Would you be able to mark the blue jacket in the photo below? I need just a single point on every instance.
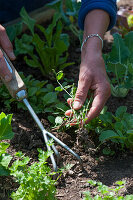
(107, 5)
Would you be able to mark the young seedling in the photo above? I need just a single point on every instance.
(77, 117)
(105, 192)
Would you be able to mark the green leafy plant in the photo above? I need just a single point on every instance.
(47, 52)
(41, 95)
(68, 10)
(5, 133)
(119, 63)
(14, 30)
(117, 128)
(35, 180)
(105, 192)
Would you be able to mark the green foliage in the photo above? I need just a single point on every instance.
(119, 62)
(35, 180)
(5, 133)
(5, 127)
(41, 95)
(46, 52)
(14, 30)
(117, 128)
(68, 10)
(105, 192)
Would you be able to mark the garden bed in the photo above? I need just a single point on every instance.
(97, 166)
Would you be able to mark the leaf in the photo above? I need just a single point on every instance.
(120, 52)
(59, 89)
(66, 65)
(106, 117)
(23, 45)
(128, 197)
(32, 91)
(65, 39)
(50, 98)
(118, 126)
(3, 147)
(121, 111)
(51, 119)
(14, 31)
(59, 75)
(57, 34)
(5, 160)
(118, 91)
(108, 134)
(117, 68)
(60, 46)
(4, 171)
(50, 87)
(120, 182)
(33, 62)
(62, 107)
(27, 20)
(5, 127)
(128, 39)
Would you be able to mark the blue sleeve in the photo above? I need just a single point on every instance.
(88, 5)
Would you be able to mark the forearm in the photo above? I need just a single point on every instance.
(96, 22)
(88, 5)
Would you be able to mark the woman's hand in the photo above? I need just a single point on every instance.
(92, 77)
(6, 45)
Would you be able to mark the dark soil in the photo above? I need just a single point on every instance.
(107, 169)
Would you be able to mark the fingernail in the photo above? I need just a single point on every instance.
(7, 78)
(77, 105)
(11, 54)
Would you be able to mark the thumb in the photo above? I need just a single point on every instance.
(81, 93)
(6, 44)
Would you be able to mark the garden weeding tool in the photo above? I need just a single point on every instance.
(17, 89)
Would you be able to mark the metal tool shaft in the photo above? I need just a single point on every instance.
(37, 120)
(49, 134)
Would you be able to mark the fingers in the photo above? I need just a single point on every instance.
(101, 93)
(69, 112)
(5, 43)
(98, 102)
(82, 90)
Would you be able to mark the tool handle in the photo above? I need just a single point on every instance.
(16, 84)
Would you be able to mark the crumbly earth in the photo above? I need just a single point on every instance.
(96, 166)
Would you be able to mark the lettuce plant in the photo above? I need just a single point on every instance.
(45, 52)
